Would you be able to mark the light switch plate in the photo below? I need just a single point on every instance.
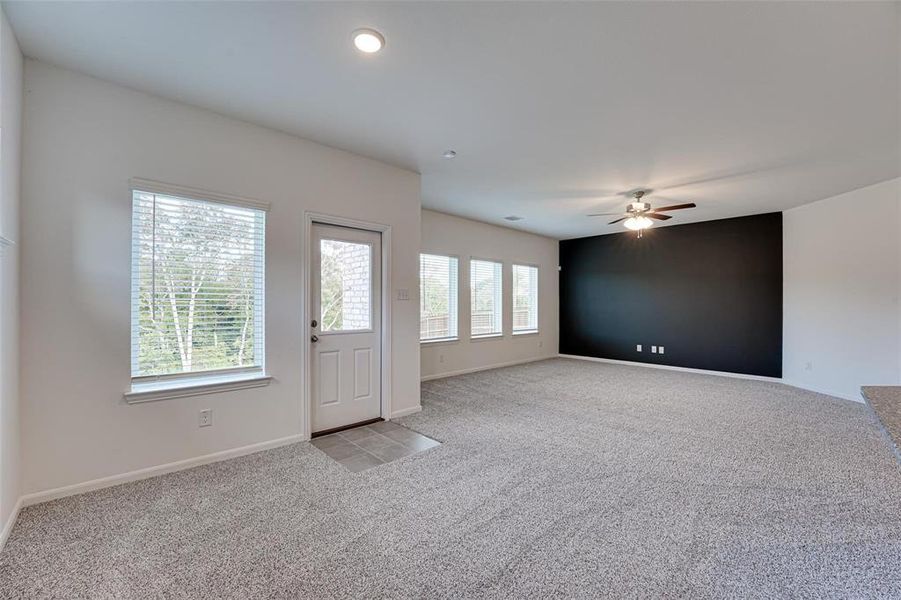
(403, 294)
(638, 347)
(659, 349)
(653, 349)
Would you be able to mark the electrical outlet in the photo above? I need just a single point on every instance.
(638, 348)
(653, 349)
(808, 367)
(659, 349)
(441, 358)
(540, 343)
(206, 417)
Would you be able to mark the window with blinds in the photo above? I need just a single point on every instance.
(525, 299)
(486, 289)
(437, 297)
(197, 288)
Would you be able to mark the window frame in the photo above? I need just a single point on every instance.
(500, 300)
(145, 388)
(449, 339)
(537, 327)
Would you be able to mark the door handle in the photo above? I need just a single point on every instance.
(314, 338)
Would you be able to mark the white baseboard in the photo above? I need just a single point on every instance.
(8, 526)
(406, 411)
(672, 368)
(485, 368)
(103, 482)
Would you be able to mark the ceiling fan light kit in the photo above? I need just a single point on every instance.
(637, 223)
(640, 216)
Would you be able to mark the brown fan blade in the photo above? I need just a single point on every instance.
(617, 221)
(658, 217)
(603, 214)
(676, 207)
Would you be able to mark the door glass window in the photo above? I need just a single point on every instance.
(346, 286)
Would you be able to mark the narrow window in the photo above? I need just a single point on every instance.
(525, 299)
(486, 288)
(197, 288)
(437, 297)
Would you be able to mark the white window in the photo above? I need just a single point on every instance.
(196, 290)
(486, 287)
(525, 299)
(437, 297)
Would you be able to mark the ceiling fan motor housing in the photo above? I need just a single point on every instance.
(638, 207)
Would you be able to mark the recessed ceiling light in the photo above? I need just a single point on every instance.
(449, 154)
(368, 40)
(513, 218)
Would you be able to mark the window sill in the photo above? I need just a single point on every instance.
(150, 392)
(487, 336)
(526, 332)
(449, 340)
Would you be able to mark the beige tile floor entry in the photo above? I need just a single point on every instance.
(365, 447)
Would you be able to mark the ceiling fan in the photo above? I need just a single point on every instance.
(639, 214)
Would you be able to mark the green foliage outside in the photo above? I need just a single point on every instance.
(196, 286)
(331, 287)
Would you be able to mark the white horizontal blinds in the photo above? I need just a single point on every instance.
(197, 286)
(525, 298)
(486, 288)
(437, 297)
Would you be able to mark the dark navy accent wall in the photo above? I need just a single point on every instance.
(710, 293)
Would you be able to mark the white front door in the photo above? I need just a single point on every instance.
(346, 326)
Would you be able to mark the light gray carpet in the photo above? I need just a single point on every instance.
(560, 478)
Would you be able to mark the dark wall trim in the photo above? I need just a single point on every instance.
(710, 293)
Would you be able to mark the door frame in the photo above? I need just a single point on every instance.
(306, 356)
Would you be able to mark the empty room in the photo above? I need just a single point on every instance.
(450, 299)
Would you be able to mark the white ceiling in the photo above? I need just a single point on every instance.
(553, 108)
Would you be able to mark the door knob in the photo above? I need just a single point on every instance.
(314, 338)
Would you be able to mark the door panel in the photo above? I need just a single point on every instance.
(362, 373)
(346, 338)
(329, 377)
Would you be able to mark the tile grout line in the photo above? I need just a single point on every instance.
(391, 444)
(381, 461)
(365, 451)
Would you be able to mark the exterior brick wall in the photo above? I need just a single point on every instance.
(355, 259)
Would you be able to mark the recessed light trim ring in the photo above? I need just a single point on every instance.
(368, 40)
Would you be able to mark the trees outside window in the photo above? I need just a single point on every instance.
(197, 286)
(437, 297)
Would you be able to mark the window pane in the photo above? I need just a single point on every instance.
(525, 298)
(197, 286)
(486, 289)
(345, 286)
(438, 297)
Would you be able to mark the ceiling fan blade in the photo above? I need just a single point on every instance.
(676, 207)
(658, 217)
(603, 214)
(617, 221)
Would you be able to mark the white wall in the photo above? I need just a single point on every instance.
(10, 151)
(83, 140)
(842, 279)
(445, 234)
